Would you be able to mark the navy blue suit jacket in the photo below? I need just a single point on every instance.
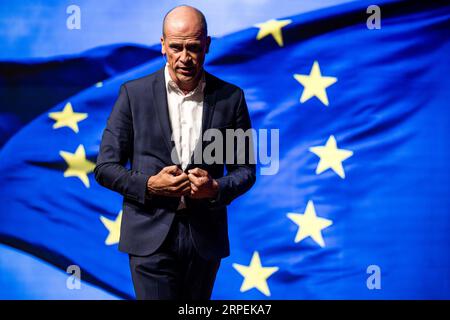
(138, 130)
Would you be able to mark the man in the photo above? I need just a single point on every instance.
(174, 224)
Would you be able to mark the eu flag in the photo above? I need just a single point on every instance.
(360, 205)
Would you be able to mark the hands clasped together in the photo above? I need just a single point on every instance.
(171, 181)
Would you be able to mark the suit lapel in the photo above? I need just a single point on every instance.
(162, 110)
(209, 103)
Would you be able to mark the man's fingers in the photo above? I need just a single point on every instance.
(180, 178)
(186, 191)
(197, 181)
(198, 172)
(192, 178)
(194, 188)
(172, 169)
(182, 185)
(169, 169)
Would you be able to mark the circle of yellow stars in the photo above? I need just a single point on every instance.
(78, 165)
(310, 225)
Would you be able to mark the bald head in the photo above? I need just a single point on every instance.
(182, 17)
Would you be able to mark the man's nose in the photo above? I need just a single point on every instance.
(185, 57)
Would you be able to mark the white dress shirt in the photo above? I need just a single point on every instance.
(185, 112)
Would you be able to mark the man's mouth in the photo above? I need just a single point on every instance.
(186, 70)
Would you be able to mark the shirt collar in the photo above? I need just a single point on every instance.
(171, 85)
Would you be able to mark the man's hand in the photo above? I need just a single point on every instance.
(202, 185)
(170, 181)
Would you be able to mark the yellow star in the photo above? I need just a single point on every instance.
(331, 157)
(255, 275)
(79, 166)
(310, 225)
(67, 118)
(272, 27)
(113, 227)
(314, 84)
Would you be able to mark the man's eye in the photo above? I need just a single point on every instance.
(195, 48)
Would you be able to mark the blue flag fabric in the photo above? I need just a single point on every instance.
(360, 205)
(48, 81)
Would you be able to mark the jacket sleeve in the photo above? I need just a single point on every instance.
(241, 175)
(115, 149)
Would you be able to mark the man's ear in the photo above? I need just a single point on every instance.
(163, 49)
(208, 42)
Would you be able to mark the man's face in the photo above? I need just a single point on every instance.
(185, 46)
